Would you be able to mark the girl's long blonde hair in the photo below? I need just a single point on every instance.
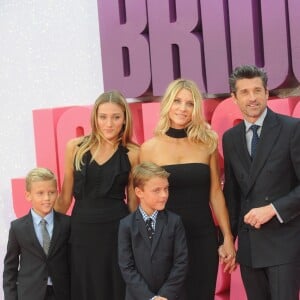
(96, 137)
(198, 130)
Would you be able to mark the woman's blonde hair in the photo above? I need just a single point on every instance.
(96, 136)
(198, 130)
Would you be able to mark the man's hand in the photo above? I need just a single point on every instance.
(259, 216)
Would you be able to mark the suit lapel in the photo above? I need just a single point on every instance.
(159, 226)
(55, 233)
(240, 145)
(142, 228)
(29, 230)
(269, 134)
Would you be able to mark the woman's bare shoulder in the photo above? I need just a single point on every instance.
(150, 144)
(133, 153)
(133, 146)
(149, 149)
(73, 143)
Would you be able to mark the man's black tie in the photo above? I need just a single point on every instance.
(149, 228)
(254, 140)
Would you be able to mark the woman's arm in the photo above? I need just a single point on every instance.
(217, 202)
(64, 199)
(132, 202)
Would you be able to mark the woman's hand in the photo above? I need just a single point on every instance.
(227, 255)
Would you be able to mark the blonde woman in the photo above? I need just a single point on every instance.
(186, 146)
(97, 171)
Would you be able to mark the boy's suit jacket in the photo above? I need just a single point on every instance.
(30, 281)
(272, 177)
(153, 269)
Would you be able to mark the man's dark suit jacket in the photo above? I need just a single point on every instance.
(153, 269)
(272, 177)
(26, 266)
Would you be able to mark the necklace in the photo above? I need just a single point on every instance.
(176, 133)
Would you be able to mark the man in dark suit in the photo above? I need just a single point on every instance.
(36, 263)
(153, 257)
(262, 190)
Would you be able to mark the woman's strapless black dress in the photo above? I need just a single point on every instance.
(189, 194)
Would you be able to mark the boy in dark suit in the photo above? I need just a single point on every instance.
(36, 263)
(153, 254)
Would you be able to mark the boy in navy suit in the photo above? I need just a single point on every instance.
(153, 254)
(36, 263)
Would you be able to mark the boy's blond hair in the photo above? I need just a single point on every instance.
(146, 171)
(39, 174)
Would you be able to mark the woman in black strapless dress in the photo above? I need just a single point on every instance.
(187, 148)
(97, 169)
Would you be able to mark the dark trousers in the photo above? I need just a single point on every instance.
(49, 293)
(272, 283)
